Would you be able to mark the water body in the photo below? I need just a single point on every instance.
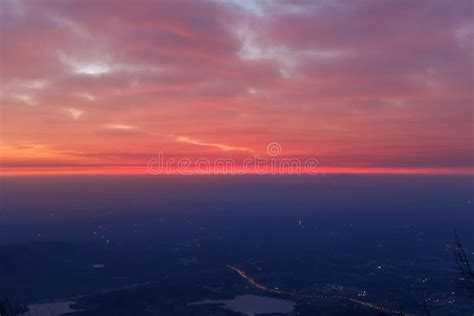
(48, 309)
(253, 304)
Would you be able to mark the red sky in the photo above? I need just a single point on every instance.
(363, 86)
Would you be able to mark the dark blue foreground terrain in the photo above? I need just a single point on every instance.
(133, 245)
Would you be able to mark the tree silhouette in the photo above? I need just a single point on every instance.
(462, 262)
(6, 308)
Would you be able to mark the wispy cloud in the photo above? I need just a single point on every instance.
(188, 140)
(74, 113)
(30, 152)
(120, 127)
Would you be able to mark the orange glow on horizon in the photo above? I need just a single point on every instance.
(321, 171)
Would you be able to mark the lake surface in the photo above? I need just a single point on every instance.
(48, 309)
(253, 304)
(163, 242)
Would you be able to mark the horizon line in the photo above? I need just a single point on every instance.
(127, 170)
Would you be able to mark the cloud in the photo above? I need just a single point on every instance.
(30, 152)
(85, 68)
(75, 114)
(187, 140)
(334, 79)
(86, 96)
(120, 127)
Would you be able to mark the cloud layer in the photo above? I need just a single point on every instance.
(382, 84)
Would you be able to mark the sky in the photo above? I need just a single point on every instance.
(363, 86)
